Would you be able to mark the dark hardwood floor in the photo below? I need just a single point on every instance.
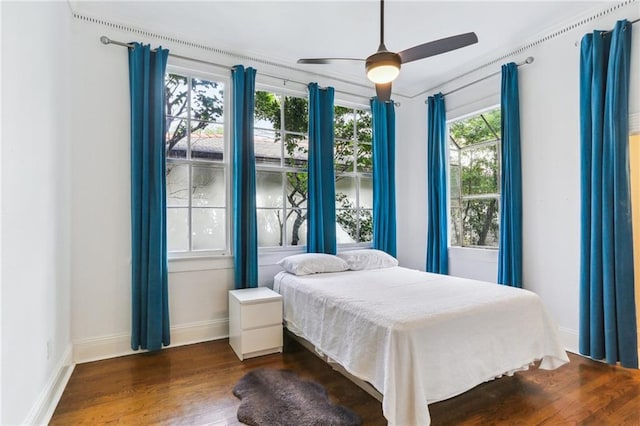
(191, 385)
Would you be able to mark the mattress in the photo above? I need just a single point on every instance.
(418, 337)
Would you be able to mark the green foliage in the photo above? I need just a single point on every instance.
(347, 218)
(268, 108)
(345, 125)
(476, 129)
(480, 171)
(296, 114)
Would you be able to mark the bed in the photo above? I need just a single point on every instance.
(417, 337)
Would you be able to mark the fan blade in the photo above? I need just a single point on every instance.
(437, 47)
(383, 91)
(325, 60)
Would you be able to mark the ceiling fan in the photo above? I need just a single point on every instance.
(384, 66)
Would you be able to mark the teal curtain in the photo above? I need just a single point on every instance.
(321, 202)
(607, 303)
(149, 269)
(437, 228)
(510, 243)
(384, 175)
(245, 228)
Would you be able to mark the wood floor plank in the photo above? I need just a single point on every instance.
(191, 385)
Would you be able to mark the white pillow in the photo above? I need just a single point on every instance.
(368, 259)
(313, 263)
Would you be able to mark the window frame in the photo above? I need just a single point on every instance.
(461, 198)
(226, 165)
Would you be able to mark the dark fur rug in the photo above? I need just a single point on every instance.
(279, 397)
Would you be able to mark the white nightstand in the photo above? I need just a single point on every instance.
(255, 322)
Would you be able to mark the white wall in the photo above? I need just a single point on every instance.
(35, 218)
(411, 188)
(549, 109)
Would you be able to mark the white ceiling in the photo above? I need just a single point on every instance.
(283, 31)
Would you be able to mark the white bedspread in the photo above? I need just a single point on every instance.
(417, 337)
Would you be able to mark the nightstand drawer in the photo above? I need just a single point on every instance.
(261, 314)
(261, 339)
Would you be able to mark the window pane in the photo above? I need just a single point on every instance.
(345, 192)
(454, 182)
(269, 189)
(343, 156)
(206, 100)
(456, 227)
(296, 114)
(267, 111)
(454, 155)
(269, 227)
(479, 170)
(267, 147)
(366, 226)
(176, 92)
(297, 227)
(177, 229)
(480, 222)
(363, 126)
(365, 158)
(296, 190)
(208, 229)
(343, 122)
(346, 226)
(207, 141)
(177, 185)
(176, 141)
(208, 186)
(296, 148)
(366, 192)
(480, 128)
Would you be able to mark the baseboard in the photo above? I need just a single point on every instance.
(115, 345)
(569, 339)
(47, 401)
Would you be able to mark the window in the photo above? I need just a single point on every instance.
(474, 162)
(281, 149)
(354, 182)
(197, 171)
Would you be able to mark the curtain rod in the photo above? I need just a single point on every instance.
(630, 22)
(107, 40)
(527, 61)
(635, 21)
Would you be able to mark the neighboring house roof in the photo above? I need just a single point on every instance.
(267, 149)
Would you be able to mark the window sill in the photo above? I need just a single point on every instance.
(477, 254)
(266, 256)
(200, 263)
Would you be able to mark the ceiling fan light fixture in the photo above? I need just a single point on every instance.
(383, 67)
(383, 73)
